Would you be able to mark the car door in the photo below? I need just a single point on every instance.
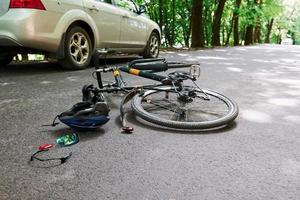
(108, 20)
(133, 27)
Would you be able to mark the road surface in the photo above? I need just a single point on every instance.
(258, 157)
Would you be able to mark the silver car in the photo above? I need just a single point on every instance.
(71, 30)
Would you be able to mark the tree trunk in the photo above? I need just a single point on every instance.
(161, 18)
(173, 22)
(206, 30)
(249, 35)
(188, 34)
(236, 23)
(229, 32)
(258, 24)
(217, 23)
(197, 24)
(269, 29)
(167, 31)
(257, 34)
(223, 35)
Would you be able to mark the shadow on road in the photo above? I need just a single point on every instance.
(54, 67)
(83, 136)
(31, 68)
(137, 123)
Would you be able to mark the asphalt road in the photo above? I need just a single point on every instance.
(258, 157)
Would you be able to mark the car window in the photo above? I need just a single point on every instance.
(105, 1)
(126, 4)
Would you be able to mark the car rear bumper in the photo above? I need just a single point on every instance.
(29, 29)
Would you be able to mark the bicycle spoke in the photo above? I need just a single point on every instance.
(161, 106)
(184, 110)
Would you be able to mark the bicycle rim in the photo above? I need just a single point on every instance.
(165, 109)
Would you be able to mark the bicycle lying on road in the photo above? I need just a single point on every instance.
(175, 101)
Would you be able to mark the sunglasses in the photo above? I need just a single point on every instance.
(44, 148)
(63, 141)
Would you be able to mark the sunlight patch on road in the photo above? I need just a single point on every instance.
(292, 92)
(266, 61)
(73, 78)
(267, 94)
(169, 52)
(227, 64)
(241, 49)
(288, 60)
(190, 59)
(234, 69)
(292, 118)
(220, 50)
(286, 81)
(46, 82)
(295, 86)
(256, 116)
(183, 54)
(6, 102)
(216, 58)
(293, 69)
(284, 102)
(7, 83)
(291, 167)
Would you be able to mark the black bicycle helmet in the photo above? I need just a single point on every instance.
(86, 116)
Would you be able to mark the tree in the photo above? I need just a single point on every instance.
(269, 29)
(197, 23)
(201, 23)
(217, 23)
(236, 23)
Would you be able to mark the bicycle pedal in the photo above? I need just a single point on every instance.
(127, 130)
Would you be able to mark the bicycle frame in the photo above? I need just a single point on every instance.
(120, 85)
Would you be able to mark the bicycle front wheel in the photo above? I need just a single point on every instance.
(205, 110)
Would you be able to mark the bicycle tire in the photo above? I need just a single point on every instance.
(139, 110)
(174, 65)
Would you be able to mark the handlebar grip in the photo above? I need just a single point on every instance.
(108, 69)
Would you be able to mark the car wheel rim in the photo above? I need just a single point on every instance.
(154, 46)
(79, 48)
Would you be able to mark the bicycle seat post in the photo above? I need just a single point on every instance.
(96, 58)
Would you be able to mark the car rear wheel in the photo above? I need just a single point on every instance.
(78, 49)
(5, 59)
(152, 48)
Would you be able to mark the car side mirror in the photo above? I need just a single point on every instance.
(142, 9)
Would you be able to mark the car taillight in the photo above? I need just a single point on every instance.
(31, 4)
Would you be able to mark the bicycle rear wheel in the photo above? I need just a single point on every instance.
(164, 108)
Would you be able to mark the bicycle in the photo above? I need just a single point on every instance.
(169, 103)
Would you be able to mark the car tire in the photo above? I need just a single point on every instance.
(152, 48)
(78, 49)
(5, 59)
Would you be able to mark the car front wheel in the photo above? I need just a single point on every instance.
(78, 49)
(152, 48)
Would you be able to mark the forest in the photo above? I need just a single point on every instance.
(209, 23)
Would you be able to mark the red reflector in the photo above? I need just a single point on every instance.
(31, 4)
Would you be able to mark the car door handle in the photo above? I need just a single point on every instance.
(94, 8)
(125, 16)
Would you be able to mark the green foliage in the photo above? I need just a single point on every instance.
(174, 16)
(295, 30)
